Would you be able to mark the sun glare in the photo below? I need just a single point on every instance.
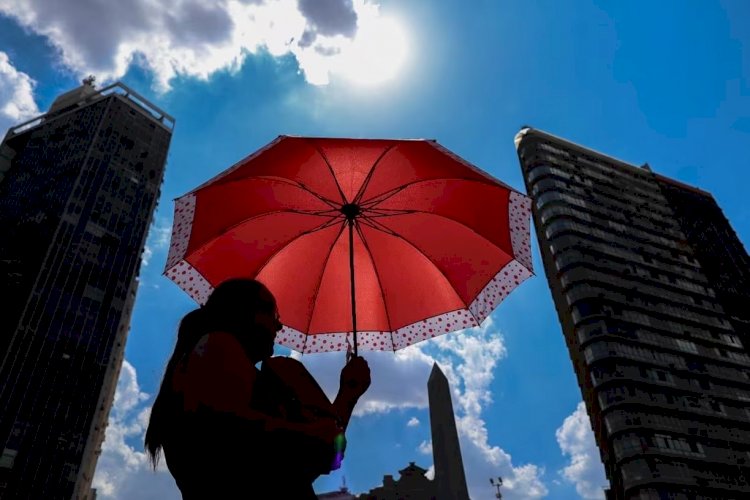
(377, 53)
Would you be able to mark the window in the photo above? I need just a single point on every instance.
(7, 458)
(716, 406)
(687, 346)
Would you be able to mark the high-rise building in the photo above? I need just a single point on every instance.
(652, 288)
(78, 189)
(450, 479)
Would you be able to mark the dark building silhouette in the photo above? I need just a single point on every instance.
(450, 479)
(78, 188)
(652, 288)
(342, 493)
(412, 484)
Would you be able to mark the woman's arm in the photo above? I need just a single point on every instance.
(354, 381)
(219, 376)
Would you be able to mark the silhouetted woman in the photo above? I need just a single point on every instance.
(229, 430)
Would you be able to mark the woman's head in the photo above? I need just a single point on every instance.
(242, 307)
(246, 308)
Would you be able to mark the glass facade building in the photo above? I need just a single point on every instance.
(652, 289)
(78, 189)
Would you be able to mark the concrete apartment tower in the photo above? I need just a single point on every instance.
(652, 288)
(446, 451)
(78, 189)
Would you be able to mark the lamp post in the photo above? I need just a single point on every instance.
(497, 483)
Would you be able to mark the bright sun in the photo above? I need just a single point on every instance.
(377, 53)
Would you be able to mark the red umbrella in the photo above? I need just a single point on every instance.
(410, 238)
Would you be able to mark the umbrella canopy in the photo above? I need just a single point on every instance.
(435, 243)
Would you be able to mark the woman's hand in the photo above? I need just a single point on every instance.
(355, 377)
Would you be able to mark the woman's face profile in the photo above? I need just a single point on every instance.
(266, 323)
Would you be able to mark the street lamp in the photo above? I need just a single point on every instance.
(497, 483)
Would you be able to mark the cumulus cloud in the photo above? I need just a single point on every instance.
(471, 370)
(398, 379)
(123, 471)
(468, 359)
(157, 240)
(16, 95)
(425, 447)
(576, 440)
(413, 422)
(173, 38)
(330, 17)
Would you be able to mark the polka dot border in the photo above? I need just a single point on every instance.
(190, 280)
(433, 327)
(184, 213)
(519, 216)
(329, 342)
(504, 282)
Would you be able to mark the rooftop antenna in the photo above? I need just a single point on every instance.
(343, 484)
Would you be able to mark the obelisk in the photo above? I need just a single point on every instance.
(446, 451)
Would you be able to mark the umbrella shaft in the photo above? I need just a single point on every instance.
(351, 273)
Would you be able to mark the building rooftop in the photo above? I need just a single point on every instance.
(527, 131)
(87, 94)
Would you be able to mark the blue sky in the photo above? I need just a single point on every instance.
(665, 82)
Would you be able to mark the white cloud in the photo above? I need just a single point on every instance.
(147, 254)
(398, 379)
(122, 471)
(576, 439)
(175, 38)
(430, 474)
(16, 95)
(425, 447)
(413, 422)
(158, 239)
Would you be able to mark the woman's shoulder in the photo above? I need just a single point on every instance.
(218, 342)
(220, 350)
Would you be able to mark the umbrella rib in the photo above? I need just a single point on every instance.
(264, 214)
(330, 168)
(366, 182)
(322, 198)
(320, 281)
(285, 180)
(387, 212)
(396, 235)
(468, 228)
(380, 283)
(388, 194)
(325, 225)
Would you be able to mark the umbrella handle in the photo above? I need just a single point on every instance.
(351, 275)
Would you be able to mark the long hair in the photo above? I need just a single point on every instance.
(224, 309)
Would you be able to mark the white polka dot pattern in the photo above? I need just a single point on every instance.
(291, 338)
(184, 212)
(326, 342)
(190, 280)
(373, 341)
(498, 288)
(432, 327)
(519, 214)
